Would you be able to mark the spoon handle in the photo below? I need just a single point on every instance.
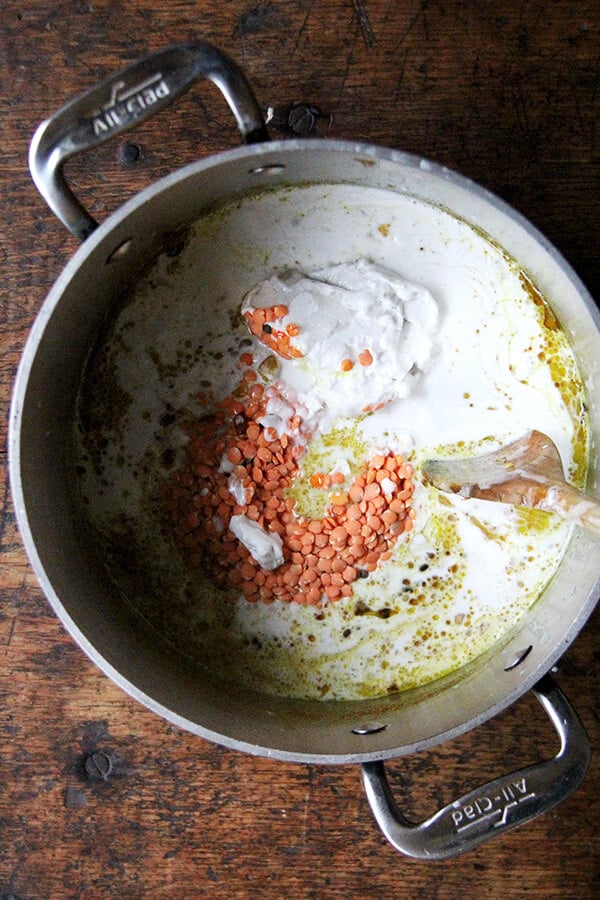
(573, 504)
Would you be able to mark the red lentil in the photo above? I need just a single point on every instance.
(322, 557)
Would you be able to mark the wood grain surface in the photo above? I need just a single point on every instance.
(99, 797)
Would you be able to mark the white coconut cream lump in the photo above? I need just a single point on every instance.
(342, 312)
(463, 358)
(363, 337)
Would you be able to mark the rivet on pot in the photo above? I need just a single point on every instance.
(368, 728)
(269, 169)
(120, 250)
(518, 658)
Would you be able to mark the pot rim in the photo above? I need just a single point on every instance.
(266, 154)
(367, 153)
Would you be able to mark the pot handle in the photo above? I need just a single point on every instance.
(122, 101)
(494, 807)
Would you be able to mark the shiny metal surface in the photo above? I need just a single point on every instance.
(67, 565)
(120, 103)
(494, 807)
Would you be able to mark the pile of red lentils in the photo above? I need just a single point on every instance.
(322, 556)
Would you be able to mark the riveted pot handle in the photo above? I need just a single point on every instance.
(494, 807)
(121, 102)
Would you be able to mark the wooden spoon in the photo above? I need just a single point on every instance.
(527, 472)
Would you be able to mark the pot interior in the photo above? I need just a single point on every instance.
(93, 598)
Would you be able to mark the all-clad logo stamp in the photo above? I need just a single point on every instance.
(498, 807)
(127, 104)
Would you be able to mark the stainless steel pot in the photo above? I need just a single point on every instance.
(67, 564)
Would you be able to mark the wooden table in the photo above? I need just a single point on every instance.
(508, 94)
